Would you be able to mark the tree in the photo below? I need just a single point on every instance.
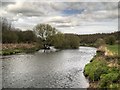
(110, 40)
(6, 24)
(29, 36)
(62, 41)
(72, 41)
(58, 40)
(99, 42)
(44, 31)
(8, 35)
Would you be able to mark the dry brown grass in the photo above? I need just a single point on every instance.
(17, 46)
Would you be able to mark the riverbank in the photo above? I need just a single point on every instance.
(15, 48)
(104, 69)
(9, 49)
(87, 45)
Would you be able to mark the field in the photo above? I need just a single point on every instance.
(113, 48)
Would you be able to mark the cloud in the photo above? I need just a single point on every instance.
(26, 8)
(65, 16)
(7, 3)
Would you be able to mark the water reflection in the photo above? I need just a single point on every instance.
(63, 69)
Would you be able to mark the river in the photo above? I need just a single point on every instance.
(62, 69)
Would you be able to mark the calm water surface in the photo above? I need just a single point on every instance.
(62, 69)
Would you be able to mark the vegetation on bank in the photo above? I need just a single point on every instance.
(104, 69)
(90, 39)
(15, 51)
(62, 41)
(42, 35)
(113, 48)
(9, 49)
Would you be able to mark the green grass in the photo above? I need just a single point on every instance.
(10, 52)
(113, 48)
(15, 51)
(98, 70)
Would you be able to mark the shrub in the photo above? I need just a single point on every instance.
(107, 79)
(110, 40)
(62, 41)
(72, 41)
(116, 86)
(99, 42)
(95, 69)
(9, 36)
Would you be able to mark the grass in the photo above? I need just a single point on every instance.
(113, 48)
(10, 52)
(104, 70)
(20, 50)
(9, 49)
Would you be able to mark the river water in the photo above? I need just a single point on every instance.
(62, 69)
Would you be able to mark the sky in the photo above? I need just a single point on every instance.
(67, 17)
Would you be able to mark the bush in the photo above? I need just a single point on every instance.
(116, 86)
(99, 42)
(58, 40)
(107, 79)
(110, 79)
(9, 37)
(72, 41)
(62, 41)
(110, 40)
(95, 69)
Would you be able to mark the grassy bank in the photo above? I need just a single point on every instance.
(113, 48)
(9, 49)
(104, 69)
(20, 50)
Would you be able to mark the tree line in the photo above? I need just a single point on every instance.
(43, 34)
(46, 35)
(13, 35)
(108, 38)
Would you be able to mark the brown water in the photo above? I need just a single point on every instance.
(62, 69)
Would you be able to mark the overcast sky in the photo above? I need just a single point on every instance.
(67, 17)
